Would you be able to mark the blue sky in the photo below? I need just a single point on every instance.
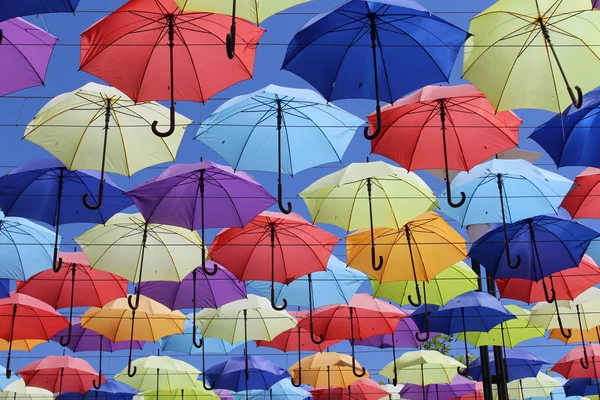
(63, 75)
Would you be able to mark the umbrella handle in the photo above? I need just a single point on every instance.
(171, 124)
(319, 338)
(376, 266)
(419, 299)
(212, 272)
(99, 384)
(57, 264)
(10, 341)
(197, 344)
(230, 39)
(101, 184)
(377, 128)
(282, 208)
(171, 33)
(100, 194)
(131, 372)
(132, 305)
(577, 101)
(279, 185)
(567, 333)
(584, 364)
(285, 303)
(425, 338)
(65, 343)
(552, 297)
(358, 374)
(373, 33)
(463, 197)
(206, 385)
(299, 378)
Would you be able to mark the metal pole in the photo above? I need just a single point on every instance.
(501, 377)
(484, 355)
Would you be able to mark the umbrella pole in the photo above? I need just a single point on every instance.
(412, 263)
(395, 380)
(418, 336)
(60, 385)
(213, 272)
(567, 333)
(596, 373)
(171, 33)
(279, 184)
(577, 101)
(99, 384)
(464, 372)
(196, 344)
(328, 382)
(56, 261)
(521, 389)
(374, 37)
(10, 341)
(131, 372)
(137, 290)
(374, 265)
(285, 303)
(65, 343)
(101, 184)
(584, 364)
(299, 359)
(230, 39)
(549, 298)
(246, 369)
(463, 196)
(319, 338)
(506, 244)
(364, 371)
(206, 386)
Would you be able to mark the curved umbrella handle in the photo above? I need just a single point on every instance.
(463, 196)
(299, 378)
(550, 298)
(362, 373)
(464, 372)
(585, 362)
(58, 261)
(171, 129)
(506, 244)
(373, 34)
(376, 266)
(419, 299)
(230, 39)
(209, 272)
(418, 335)
(131, 372)
(99, 384)
(285, 303)
(282, 208)
(319, 338)
(197, 344)
(132, 305)
(100, 194)
(171, 33)
(358, 374)
(107, 113)
(278, 308)
(508, 259)
(65, 343)
(10, 341)
(205, 384)
(377, 131)
(567, 333)
(576, 100)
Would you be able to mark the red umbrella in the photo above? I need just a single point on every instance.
(567, 284)
(572, 364)
(60, 374)
(583, 201)
(292, 246)
(364, 389)
(149, 50)
(361, 318)
(75, 285)
(24, 317)
(450, 127)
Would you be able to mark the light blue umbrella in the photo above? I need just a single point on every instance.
(282, 390)
(278, 129)
(26, 248)
(337, 284)
(4, 381)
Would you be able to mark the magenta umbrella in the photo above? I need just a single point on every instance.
(25, 52)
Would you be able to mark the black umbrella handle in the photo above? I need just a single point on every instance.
(585, 362)
(374, 264)
(359, 373)
(395, 380)
(132, 305)
(374, 38)
(99, 384)
(282, 208)
(506, 244)
(464, 372)
(10, 341)
(204, 383)
(63, 342)
(420, 336)
(103, 168)
(155, 130)
(56, 261)
(463, 196)
(197, 344)
(131, 372)
(319, 338)
(414, 269)
(567, 333)
(299, 355)
(230, 39)
(285, 303)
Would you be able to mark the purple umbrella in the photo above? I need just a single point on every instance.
(25, 52)
(217, 289)
(83, 339)
(224, 394)
(460, 386)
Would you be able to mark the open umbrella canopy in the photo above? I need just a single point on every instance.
(261, 374)
(282, 390)
(326, 369)
(520, 364)
(364, 389)
(110, 390)
(581, 202)
(581, 312)
(460, 386)
(250, 10)
(60, 374)
(196, 392)
(181, 343)
(33, 7)
(571, 365)
(582, 387)
(18, 390)
(423, 367)
(165, 372)
(540, 385)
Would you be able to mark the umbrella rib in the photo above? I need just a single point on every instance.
(41, 81)
(217, 182)
(385, 195)
(187, 49)
(430, 117)
(122, 137)
(462, 151)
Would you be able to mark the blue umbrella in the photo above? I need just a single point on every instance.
(245, 373)
(22, 8)
(4, 381)
(282, 390)
(4, 288)
(45, 190)
(110, 390)
(298, 125)
(469, 312)
(582, 387)
(570, 138)
(409, 48)
(520, 365)
(25, 248)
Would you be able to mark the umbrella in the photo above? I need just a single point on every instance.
(520, 364)
(411, 134)
(117, 322)
(568, 283)
(451, 282)
(25, 248)
(298, 125)
(580, 202)
(283, 390)
(124, 240)
(25, 317)
(110, 390)
(77, 286)
(329, 369)
(423, 367)
(469, 312)
(245, 373)
(4, 381)
(577, 336)
(389, 32)
(25, 51)
(224, 394)
(218, 287)
(128, 49)
(160, 373)
(460, 386)
(507, 334)
(361, 318)
(60, 374)
(572, 365)
(427, 243)
(364, 195)
(45, 190)
(85, 117)
(34, 7)
(196, 392)
(364, 389)
(537, 35)
(293, 245)
(18, 390)
(582, 387)
(19, 345)
(260, 322)
(541, 385)
(337, 284)
(250, 10)
(82, 339)
(5, 286)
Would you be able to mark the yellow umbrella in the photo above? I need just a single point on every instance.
(367, 195)
(577, 336)
(507, 334)
(98, 127)
(160, 373)
(523, 54)
(118, 322)
(17, 390)
(329, 369)
(21, 345)
(195, 393)
(423, 367)
(418, 251)
(540, 386)
(448, 284)
(126, 243)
